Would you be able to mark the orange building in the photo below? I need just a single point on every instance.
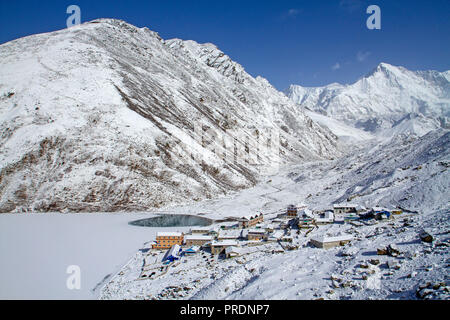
(165, 240)
(291, 211)
(250, 221)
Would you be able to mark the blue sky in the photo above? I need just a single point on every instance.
(311, 43)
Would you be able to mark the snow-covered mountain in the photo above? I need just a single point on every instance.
(388, 100)
(106, 116)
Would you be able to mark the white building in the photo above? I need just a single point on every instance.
(306, 213)
(330, 242)
(232, 252)
(232, 234)
(328, 217)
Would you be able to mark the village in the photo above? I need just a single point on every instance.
(237, 237)
(225, 256)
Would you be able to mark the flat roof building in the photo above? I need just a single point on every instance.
(345, 208)
(233, 234)
(201, 230)
(165, 240)
(218, 246)
(197, 239)
(256, 234)
(330, 242)
(232, 252)
(328, 217)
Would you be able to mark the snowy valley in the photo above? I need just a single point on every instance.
(410, 173)
(95, 135)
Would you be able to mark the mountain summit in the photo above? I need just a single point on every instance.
(106, 116)
(389, 98)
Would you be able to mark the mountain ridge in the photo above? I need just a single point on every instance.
(106, 117)
(378, 100)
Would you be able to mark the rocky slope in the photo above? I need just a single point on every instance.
(387, 101)
(106, 116)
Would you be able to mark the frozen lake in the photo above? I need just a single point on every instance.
(36, 249)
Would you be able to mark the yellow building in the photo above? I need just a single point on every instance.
(165, 240)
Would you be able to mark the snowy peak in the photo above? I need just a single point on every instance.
(388, 69)
(382, 99)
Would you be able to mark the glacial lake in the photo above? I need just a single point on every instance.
(172, 220)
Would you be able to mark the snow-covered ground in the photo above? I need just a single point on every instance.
(307, 273)
(408, 171)
(36, 249)
(352, 272)
(345, 132)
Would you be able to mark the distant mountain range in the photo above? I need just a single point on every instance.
(387, 101)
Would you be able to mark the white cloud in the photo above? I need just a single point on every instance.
(293, 12)
(336, 66)
(362, 56)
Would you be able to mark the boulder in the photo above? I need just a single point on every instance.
(374, 262)
(347, 284)
(364, 265)
(392, 250)
(334, 277)
(437, 290)
(425, 236)
(442, 244)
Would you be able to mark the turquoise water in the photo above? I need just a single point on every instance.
(172, 220)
